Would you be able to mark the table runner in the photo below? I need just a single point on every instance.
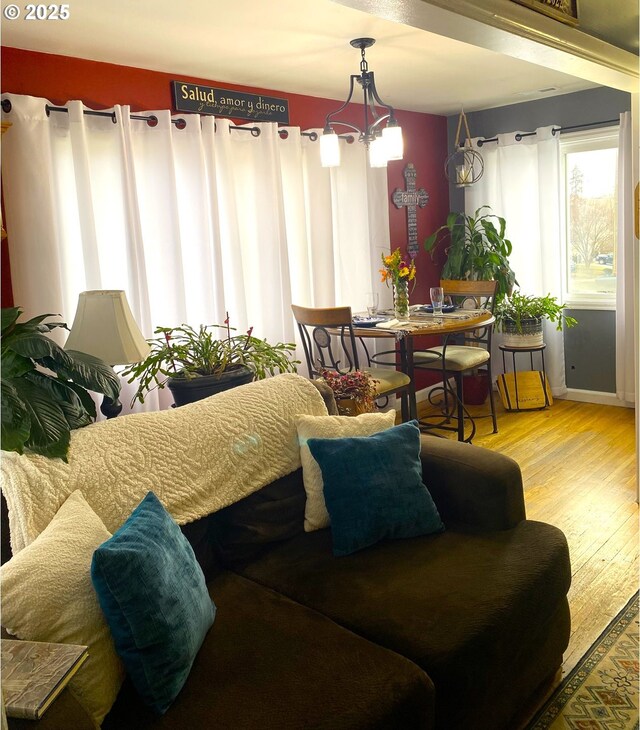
(419, 321)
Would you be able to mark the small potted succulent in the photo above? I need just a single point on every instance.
(519, 317)
(355, 391)
(197, 363)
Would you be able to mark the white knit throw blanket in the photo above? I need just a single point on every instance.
(197, 458)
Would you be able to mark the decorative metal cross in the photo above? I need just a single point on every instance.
(411, 198)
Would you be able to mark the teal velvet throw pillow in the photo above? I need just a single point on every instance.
(155, 600)
(373, 488)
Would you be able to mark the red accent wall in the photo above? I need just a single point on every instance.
(100, 85)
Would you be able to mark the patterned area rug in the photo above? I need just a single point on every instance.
(601, 693)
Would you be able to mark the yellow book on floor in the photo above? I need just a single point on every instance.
(531, 391)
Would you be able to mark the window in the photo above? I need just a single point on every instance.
(589, 190)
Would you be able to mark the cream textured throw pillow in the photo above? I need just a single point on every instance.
(47, 595)
(315, 512)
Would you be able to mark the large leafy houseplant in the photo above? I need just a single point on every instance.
(476, 248)
(184, 353)
(44, 388)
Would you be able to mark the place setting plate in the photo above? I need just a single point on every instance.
(428, 308)
(365, 321)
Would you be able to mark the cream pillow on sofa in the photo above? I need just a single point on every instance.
(47, 595)
(315, 512)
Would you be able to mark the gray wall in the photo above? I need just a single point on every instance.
(589, 347)
(589, 351)
(581, 107)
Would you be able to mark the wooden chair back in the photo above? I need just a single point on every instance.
(323, 316)
(324, 349)
(481, 293)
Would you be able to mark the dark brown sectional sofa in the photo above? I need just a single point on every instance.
(455, 631)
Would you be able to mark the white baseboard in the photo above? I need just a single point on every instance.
(575, 394)
(421, 395)
(594, 396)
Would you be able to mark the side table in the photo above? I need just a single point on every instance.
(530, 351)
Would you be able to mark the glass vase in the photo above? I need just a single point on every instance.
(401, 298)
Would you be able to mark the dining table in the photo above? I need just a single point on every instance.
(418, 324)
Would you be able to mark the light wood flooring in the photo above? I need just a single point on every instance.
(578, 465)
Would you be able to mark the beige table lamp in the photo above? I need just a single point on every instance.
(104, 327)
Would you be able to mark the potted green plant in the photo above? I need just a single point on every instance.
(44, 389)
(476, 248)
(520, 316)
(196, 363)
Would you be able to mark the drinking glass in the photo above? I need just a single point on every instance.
(372, 303)
(437, 299)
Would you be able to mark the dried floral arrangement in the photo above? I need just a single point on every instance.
(355, 385)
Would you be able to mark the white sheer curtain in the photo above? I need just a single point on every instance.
(191, 222)
(521, 183)
(626, 345)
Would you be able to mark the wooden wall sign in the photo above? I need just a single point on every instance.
(411, 199)
(228, 103)
(566, 11)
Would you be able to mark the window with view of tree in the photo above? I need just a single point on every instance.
(590, 182)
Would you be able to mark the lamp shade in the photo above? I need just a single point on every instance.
(392, 136)
(377, 153)
(329, 149)
(104, 327)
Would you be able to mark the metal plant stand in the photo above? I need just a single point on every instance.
(524, 350)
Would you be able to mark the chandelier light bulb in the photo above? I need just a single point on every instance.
(329, 149)
(394, 144)
(378, 153)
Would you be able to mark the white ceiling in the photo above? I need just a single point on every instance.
(297, 46)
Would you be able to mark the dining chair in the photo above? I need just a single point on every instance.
(330, 343)
(457, 358)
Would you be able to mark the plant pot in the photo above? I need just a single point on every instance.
(350, 407)
(193, 389)
(531, 335)
(475, 388)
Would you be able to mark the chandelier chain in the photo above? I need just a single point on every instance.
(364, 66)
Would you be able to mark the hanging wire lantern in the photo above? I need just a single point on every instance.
(465, 166)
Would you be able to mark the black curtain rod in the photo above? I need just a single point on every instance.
(520, 136)
(152, 120)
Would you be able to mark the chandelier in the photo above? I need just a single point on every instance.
(384, 143)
